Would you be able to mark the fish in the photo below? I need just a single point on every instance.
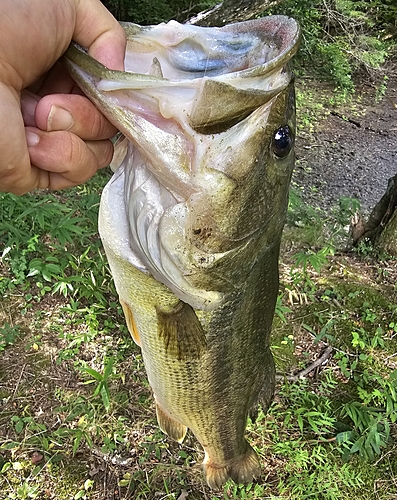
(191, 220)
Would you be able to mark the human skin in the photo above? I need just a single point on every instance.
(52, 136)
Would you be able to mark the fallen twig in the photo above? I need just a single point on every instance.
(302, 374)
(18, 382)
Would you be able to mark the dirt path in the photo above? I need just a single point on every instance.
(350, 154)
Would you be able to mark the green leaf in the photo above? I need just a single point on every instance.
(105, 395)
(53, 268)
(77, 439)
(97, 376)
(358, 445)
(308, 328)
(346, 437)
(89, 483)
(300, 422)
(108, 368)
(19, 426)
(5, 467)
(124, 482)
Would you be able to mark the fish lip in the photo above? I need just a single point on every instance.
(289, 45)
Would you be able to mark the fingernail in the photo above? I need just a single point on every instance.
(32, 139)
(59, 119)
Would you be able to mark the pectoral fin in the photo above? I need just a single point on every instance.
(131, 323)
(182, 332)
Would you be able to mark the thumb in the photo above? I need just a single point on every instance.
(99, 31)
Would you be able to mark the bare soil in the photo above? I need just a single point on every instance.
(352, 152)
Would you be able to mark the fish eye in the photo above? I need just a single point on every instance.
(283, 141)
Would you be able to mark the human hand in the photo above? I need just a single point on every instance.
(52, 137)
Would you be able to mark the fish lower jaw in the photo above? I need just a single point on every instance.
(242, 469)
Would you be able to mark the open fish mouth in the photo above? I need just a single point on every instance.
(192, 219)
(217, 74)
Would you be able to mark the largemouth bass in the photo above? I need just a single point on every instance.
(192, 219)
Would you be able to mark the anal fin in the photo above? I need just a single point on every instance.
(169, 426)
(129, 317)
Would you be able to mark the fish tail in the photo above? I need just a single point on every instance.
(246, 468)
(242, 471)
(169, 426)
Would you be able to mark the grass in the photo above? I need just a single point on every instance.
(77, 418)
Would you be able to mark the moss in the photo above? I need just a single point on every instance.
(63, 480)
(73, 474)
(387, 242)
(377, 482)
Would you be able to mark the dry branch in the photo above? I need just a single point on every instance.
(302, 374)
(230, 11)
